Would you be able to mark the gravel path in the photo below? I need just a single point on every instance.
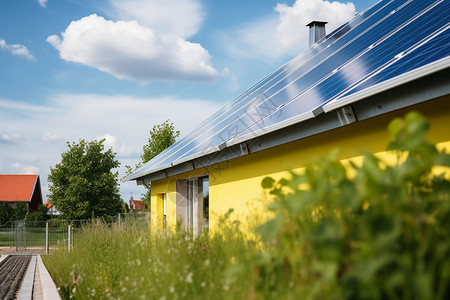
(12, 271)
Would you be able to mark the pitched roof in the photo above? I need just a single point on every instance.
(137, 205)
(17, 188)
(48, 204)
(389, 45)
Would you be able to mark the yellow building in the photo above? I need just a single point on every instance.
(340, 93)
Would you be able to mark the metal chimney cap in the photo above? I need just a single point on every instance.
(319, 23)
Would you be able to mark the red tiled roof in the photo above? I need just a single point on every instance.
(48, 204)
(137, 205)
(17, 188)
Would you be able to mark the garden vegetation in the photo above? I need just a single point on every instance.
(381, 233)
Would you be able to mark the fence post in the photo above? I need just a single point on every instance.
(119, 220)
(47, 246)
(68, 236)
(17, 235)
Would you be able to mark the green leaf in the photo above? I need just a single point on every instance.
(268, 182)
(269, 230)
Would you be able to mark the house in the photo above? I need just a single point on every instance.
(21, 188)
(136, 205)
(51, 209)
(339, 93)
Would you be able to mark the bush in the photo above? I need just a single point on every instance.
(382, 234)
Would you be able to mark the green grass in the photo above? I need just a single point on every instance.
(117, 263)
(34, 237)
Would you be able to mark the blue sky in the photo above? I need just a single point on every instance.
(73, 69)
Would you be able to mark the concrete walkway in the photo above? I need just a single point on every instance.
(37, 283)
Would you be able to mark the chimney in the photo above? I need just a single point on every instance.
(316, 31)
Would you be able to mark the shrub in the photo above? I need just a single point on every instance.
(382, 234)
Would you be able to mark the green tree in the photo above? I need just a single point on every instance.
(161, 137)
(20, 211)
(6, 213)
(39, 215)
(83, 184)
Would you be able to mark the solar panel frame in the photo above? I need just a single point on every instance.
(439, 60)
(241, 125)
(157, 163)
(172, 157)
(336, 78)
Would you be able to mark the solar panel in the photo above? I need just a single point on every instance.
(237, 104)
(433, 50)
(318, 75)
(305, 80)
(373, 56)
(265, 103)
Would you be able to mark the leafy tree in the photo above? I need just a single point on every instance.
(39, 215)
(6, 213)
(20, 211)
(161, 137)
(83, 184)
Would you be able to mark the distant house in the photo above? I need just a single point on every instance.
(21, 188)
(136, 205)
(51, 209)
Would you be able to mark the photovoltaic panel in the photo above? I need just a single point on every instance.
(300, 82)
(302, 78)
(165, 159)
(351, 73)
(431, 51)
(243, 100)
(333, 65)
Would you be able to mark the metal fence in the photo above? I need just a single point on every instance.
(32, 235)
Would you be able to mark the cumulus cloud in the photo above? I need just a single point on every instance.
(285, 34)
(110, 141)
(50, 137)
(171, 18)
(25, 169)
(9, 138)
(123, 121)
(42, 3)
(23, 106)
(125, 49)
(16, 49)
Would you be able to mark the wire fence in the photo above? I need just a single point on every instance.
(36, 235)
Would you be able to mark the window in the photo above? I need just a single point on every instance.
(193, 204)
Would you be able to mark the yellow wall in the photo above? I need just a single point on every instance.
(237, 183)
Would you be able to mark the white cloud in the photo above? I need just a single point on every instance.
(124, 121)
(170, 18)
(42, 3)
(17, 105)
(25, 169)
(285, 34)
(9, 138)
(125, 49)
(50, 137)
(121, 150)
(16, 49)
(27, 157)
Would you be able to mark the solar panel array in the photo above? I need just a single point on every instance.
(387, 40)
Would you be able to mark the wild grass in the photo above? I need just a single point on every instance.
(130, 262)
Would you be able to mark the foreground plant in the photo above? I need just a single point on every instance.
(382, 234)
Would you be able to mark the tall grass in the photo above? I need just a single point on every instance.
(130, 262)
